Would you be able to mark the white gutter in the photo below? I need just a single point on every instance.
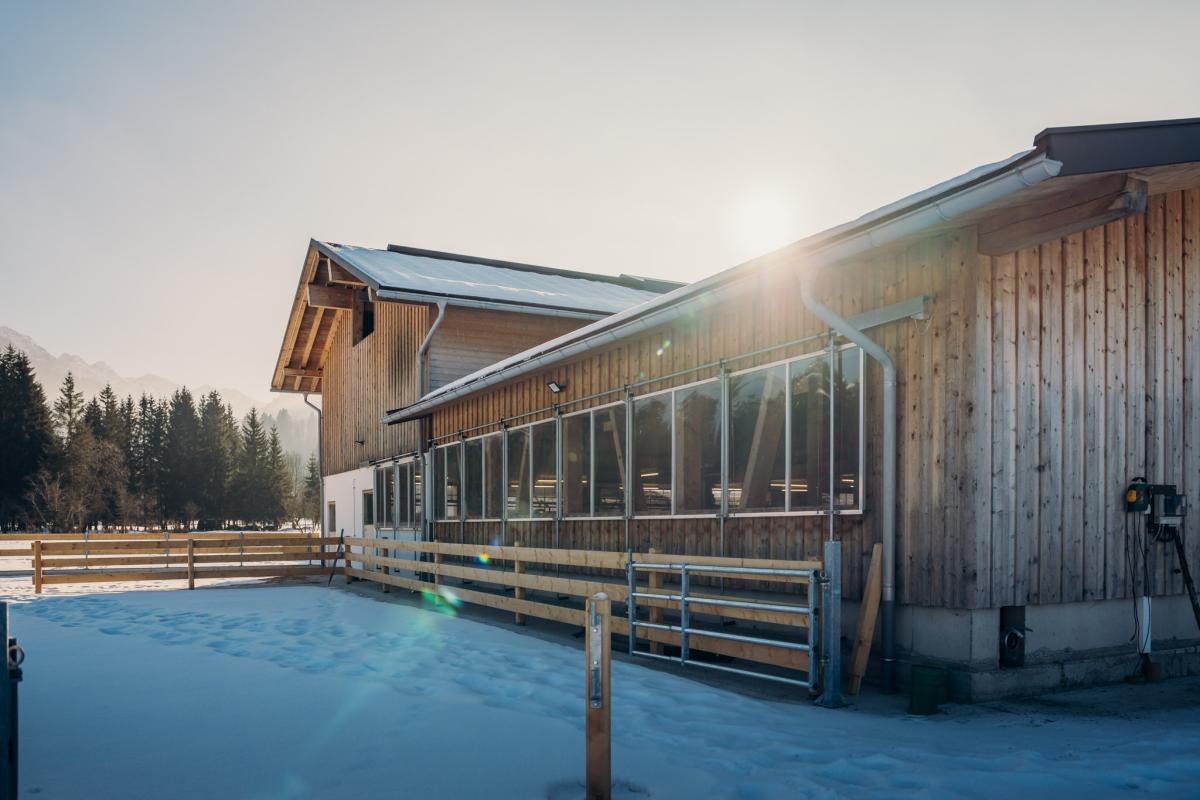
(423, 350)
(320, 520)
(940, 203)
(489, 305)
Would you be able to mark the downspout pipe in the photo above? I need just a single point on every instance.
(887, 516)
(320, 457)
(422, 375)
(423, 350)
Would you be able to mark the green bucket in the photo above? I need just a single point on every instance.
(928, 689)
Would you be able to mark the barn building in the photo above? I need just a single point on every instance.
(971, 376)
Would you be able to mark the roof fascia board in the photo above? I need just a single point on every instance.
(490, 305)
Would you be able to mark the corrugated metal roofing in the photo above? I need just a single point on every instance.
(445, 276)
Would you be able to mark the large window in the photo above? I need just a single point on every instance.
(545, 468)
(446, 488)
(404, 495)
(368, 508)
(593, 463)
(786, 437)
(385, 496)
(698, 449)
(652, 454)
(757, 450)
(517, 491)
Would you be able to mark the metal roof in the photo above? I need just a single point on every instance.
(449, 276)
(609, 327)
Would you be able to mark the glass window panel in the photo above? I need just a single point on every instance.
(652, 454)
(608, 439)
(810, 434)
(545, 482)
(518, 492)
(847, 426)
(368, 508)
(493, 476)
(403, 493)
(577, 465)
(439, 483)
(380, 480)
(418, 496)
(757, 434)
(453, 480)
(698, 449)
(473, 470)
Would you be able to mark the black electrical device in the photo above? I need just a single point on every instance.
(1165, 509)
(1137, 496)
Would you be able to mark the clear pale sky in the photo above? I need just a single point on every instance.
(163, 165)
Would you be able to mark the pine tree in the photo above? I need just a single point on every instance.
(251, 472)
(68, 410)
(213, 462)
(26, 434)
(279, 481)
(93, 418)
(311, 506)
(179, 475)
(110, 413)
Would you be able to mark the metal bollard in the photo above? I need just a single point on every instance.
(831, 628)
(10, 676)
(599, 692)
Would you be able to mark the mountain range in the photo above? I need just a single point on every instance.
(297, 423)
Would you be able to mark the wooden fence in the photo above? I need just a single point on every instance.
(188, 557)
(532, 569)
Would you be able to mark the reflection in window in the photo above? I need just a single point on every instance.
(652, 454)
(473, 478)
(518, 491)
(403, 496)
(810, 434)
(577, 465)
(608, 441)
(698, 449)
(384, 495)
(417, 495)
(757, 446)
(847, 426)
(446, 488)
(545, 482)
(493, 476)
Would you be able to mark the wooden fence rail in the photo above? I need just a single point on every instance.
(79, 561)
(511, 567)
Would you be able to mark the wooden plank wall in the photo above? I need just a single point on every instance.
(363, 381)
(470, 339)
(1090, 376)
(937, 413)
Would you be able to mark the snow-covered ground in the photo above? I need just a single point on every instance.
(293, 691)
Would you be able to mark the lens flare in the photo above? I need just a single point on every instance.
(484, 558)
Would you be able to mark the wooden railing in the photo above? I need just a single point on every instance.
(66, 561)
(523, 569)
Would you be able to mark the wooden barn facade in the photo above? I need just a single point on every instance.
(970, 376)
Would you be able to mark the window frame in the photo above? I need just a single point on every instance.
(485, 517)
(591, 428)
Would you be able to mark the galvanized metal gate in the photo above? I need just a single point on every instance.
(821, 609)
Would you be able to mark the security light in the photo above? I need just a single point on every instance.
(555, 386)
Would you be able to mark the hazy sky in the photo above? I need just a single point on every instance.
(163, 165)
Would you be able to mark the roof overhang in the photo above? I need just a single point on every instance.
(1066, 166)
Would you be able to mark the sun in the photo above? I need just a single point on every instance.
(763, 218)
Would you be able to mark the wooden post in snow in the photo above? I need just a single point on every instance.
(191, 563)
(37, 566)
(599, 691)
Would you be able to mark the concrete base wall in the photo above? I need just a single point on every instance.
(1066, 645)
(345, 489)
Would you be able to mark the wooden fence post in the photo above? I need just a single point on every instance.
(518, 591)
(656, 614)
(437, 562)
(191, 563)
(37, 566)
(599, 693)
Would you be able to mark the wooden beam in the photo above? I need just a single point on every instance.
(297, 372)
(331, 297)
(338, 275)
(1086, 205)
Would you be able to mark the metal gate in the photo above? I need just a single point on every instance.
(823, 671)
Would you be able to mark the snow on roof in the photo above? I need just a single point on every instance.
(451, 276)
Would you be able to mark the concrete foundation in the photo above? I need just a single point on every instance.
(1066, 645)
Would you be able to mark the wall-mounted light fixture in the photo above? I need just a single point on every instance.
(555, 386)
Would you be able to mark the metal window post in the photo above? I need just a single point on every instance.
(558, 470)
(831, 626)
(630, 466)
(724, 504)
(503, 483)
(462, 489)
(832, 438)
